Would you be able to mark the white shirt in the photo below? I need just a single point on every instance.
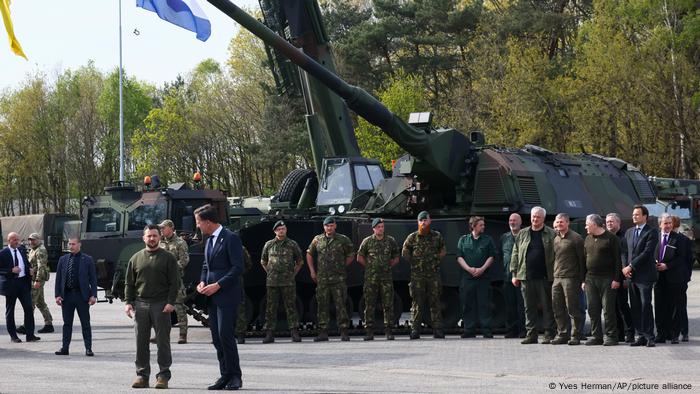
(22, 268)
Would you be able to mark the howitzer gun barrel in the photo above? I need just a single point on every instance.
(414, 141)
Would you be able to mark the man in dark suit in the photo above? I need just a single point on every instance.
(15, 284)
(640, 268)
(76, 289)
(669, 289)
(220, 282)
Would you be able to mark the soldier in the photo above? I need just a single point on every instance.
(333, 252)
(378, 253)
(532, 265)
(178, 248)
(569, 271)
(424, 249)
(475, 254)
(242, 322)
(39, 260)
(515, 312)
(282, 259)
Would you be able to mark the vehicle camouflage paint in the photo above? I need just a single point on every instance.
(451, 174)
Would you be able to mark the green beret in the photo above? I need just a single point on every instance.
(329, 220)
(278, 223)
(376, 221)
(423, 215)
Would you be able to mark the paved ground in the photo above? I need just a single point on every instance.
(425, 366)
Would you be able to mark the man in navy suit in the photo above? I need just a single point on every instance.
(15, 284)
(669, 289)
(76, 289)
(220, 282)
(640, 268)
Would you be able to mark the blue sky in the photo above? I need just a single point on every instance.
(58, 35)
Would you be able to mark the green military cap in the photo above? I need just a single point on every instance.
(423, 215)
(329, 220)
(278, 223)
(34, 236)
(376, 221)
(167, 223)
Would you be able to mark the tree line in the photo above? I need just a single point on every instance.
(614, 78)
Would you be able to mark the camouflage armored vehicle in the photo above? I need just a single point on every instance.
(112, 227)
(449, 173)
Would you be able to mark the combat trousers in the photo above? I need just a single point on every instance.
(289, 298)
(324, 292)
(566, 293)
(515, 310)
(147, 315)
(425, 289)
(39, 302)
(475, 299)
(538, 292)
(384, 288)
(601, 297)
(181, 310)
(73, 301)
(625, 326)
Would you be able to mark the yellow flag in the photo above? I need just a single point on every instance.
(14, 44)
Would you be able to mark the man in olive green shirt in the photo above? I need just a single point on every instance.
(152, 283)
(475, 254)
(569, 268)
(333, 252)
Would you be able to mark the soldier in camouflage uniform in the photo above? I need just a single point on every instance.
(424, 249)
(333, 252)
(378, 253)
(281, 259)
(39, 260)
(242, 321)
(178, 248)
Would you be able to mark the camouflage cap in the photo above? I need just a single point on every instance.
(167, 223)
(329, 220)
(278, 223)
(423, 215)
(376, 221)
(34, 236)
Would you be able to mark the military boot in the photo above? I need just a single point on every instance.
(322, 336)
(344, 335)
(48, 328)
(369, 335)
(269, 337)
(183, 336)
(389, 334)
(438, 334)
(295, 335)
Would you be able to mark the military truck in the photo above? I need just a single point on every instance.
(449, 173)
(112, 228)
(48, 225)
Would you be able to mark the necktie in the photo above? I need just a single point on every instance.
(662, 249)
(636, 237)
(16, 259)
(69, 282)
(210, 247)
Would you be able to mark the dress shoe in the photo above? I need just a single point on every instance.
(674, 341)
(414, 334)
(21, 330)
(322, 336)
(89, 353)
(295, 335)
(389, 335)
(61, 352)
(651, 343)
(466, 335)
(594, 342)
(488, 336)
(529, 340)
(16, 340)
(240, 340)
(438, 334)
(234, 384)
(33, 338)
(685, 338)
(161, 383)
(269, 337)
(219, 384)
(48, 328)
(641, 341)
(344, 335)
(140, 383)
